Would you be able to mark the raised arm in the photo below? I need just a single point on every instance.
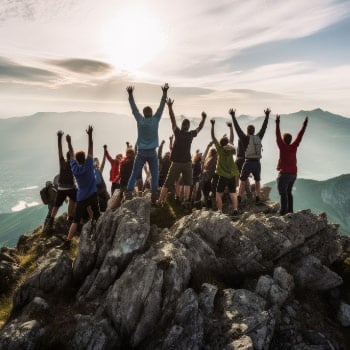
(160, 109)
(170, 102)
(106, 153)
(134, 109)
(278, 131)
(261, 133)
(103, 159)
(301, 132)
(160, 150)
(206, 151)
(238, 129)
(201, 124)
(91, 145)
(59, 143)
(229, 124)
(70, 147)
(212, 121)
(171, 139)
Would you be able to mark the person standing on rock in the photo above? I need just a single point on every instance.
(66, 187)
(251, 143)
(147, 142)
(287, 165)
(181, 155)
(226, 168)
(83, 170)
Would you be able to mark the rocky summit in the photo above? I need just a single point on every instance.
(260, 282)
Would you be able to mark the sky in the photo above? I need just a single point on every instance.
(64, 55)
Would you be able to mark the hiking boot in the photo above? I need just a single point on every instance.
(127, 195)
(235, 212)
(154, 198)
(186, 206)
(66, 245)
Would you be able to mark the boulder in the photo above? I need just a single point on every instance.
(19, 335)
(52, 276)
(309, 273)
(344, 314)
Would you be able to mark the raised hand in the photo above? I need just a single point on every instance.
(306, 120)
(210, 143)
(130, 89)
(165, 87)
(212, 121)
(68, 138)
(105, 147)
(89, 130)
(171, 138)
(267, 112)
(277, 118)
(60, 133)
(229, 124)
(232, 112)
(169, 102)
(204, 115)
(163, 142)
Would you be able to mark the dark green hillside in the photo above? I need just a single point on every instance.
(331, 196)
(13, 225)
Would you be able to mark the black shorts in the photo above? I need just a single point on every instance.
(82, 206)
(223, 182)
(63, 194)
(251, 167)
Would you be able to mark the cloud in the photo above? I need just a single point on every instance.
(84, 66)
(31, 10)
(13, 71)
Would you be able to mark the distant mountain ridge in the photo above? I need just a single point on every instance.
(331, 196)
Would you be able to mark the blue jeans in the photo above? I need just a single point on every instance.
(145, 155)
(285, 182)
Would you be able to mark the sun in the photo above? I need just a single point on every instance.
(133, 39)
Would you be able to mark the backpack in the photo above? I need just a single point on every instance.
(48, 193)
(254, 148)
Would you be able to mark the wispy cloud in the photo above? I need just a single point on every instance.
(10, 70)
(80, 65)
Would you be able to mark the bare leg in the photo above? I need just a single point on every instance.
(257, 187)
(72, 230)
(219, 200)
(241, 188)
(187, 190)
(234, 200)
(54, 212)
(163, 194)
(71, 208)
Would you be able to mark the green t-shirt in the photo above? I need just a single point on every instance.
(225, 165)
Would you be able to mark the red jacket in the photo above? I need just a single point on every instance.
(115, 169)
(287, 162)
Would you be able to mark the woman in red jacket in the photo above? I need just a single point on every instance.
(287, 165)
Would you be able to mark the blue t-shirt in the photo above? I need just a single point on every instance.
(85, 177)
(147, 128)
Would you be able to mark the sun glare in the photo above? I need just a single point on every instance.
(133, 39)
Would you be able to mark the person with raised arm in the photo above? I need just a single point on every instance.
(66, 187)
(287, 165)
(226, 168)
(84, 172)
(181, 155)
(147, 142)
(164, 164)
(114, 172)
(252, 148)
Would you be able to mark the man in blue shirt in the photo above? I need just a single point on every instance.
(147, 142)
(84, 172)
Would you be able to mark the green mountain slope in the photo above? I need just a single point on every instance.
(13, 225)
(331, 196)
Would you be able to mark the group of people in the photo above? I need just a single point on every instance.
(192, 179)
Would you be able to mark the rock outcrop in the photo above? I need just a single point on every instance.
(204, 283)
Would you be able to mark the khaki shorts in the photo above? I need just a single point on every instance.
(174, 173)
